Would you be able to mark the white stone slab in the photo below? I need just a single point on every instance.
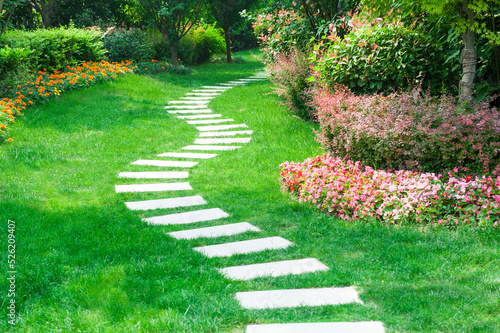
(221, 141)
(243, 247)
(216, 87)
(220, 127)
(160, 163)
(188, 217)
(219, 90)
(251, 79)
(208, 147)
(189, 102)
(226, 133)
(289, 298)
(335, 327)
(217, 231)
(274, 269)
(166, 203)
(203, 94)
(205, 99)
(237, 82)
(188, 155)
(191, 111)
(200, 116)
(229, 84)
(190, 107)
(212, 121)
(155, 175)
(153, 187)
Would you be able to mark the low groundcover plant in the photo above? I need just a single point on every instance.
(352, 191)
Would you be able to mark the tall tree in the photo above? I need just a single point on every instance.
(470, 14)
(174, 19)
(227, 14)
(7, 8)
(46, 9)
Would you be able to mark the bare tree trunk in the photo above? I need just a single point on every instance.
(469, 63)
(227, 35)
(174, 52)
(468, 58)
(45, 10)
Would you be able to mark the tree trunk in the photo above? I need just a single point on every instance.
(227, 35)
(468, 57)
(174, 51)
(469, 62)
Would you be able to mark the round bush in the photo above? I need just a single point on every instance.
(382, 58)
(127, 44)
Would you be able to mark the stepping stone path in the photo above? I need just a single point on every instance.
(194, 110)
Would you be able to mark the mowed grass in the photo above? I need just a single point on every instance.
(87, 263)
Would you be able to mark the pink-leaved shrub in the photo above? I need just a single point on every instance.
(408, 130)
(289, 72)
(351, 191)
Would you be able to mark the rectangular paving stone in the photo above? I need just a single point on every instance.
(208, 147)
(226, 133)
(243, 247)
(155, 175)
(216, 87)
(160, 163)
(251, 79)
(289, 298)
(166, 203)
(237, 82)
(211, 121)
(206, 98)
(200, 116)
(334, 327)
(188, 155)
(229, 84)
(274, 269)
(217, 231)
(221, 141)
(204, 93)
(220, 127)
(153, 187)
(188, 217)
(190, 107)
(190, 111)
(189, 102)
(219, 90)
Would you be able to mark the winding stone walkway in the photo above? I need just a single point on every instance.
(194, 110)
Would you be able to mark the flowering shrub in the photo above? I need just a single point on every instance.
(409, 130)
(352, 192)
(289, 73)
(282, 31)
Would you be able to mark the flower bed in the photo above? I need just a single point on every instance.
(44, 85)
(352, 192)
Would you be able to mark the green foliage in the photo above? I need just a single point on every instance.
(12, 64)
(242, 36)
(382, 58)
(200, 44)
(127, 44)
(54, 49)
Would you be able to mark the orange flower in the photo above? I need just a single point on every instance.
(10, 140)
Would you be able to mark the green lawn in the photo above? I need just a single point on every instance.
(85, 263)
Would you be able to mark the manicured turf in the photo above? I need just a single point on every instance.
(87, 263)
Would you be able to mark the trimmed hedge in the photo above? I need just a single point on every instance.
(55, 49)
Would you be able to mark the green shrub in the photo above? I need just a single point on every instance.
(127, 44)
(200, 44)
(382, 58)
(55, 49)
(12, 64)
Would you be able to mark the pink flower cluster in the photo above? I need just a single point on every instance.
(351, 191)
